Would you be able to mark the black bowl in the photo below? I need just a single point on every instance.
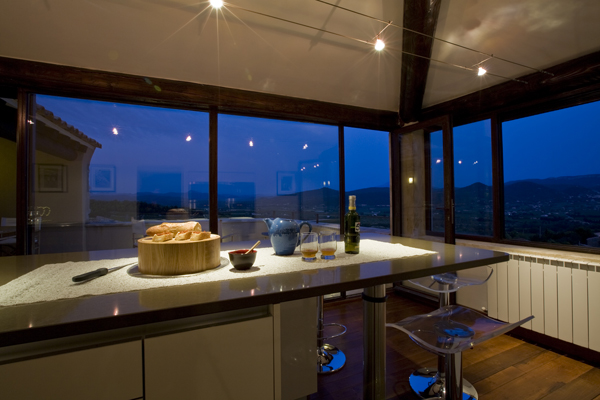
(242, 261)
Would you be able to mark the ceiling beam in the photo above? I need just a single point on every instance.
(111, 86)
(573, 82)
(420, 16)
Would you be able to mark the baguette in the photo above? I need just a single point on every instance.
(173, 227)
(199, 236)
(183, 235)
(162, 237)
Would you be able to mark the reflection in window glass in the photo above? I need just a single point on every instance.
(436, 190)
(8, 178)
(277, 169)
(368, 175)
(552, 177)
(473, 179)
(106, 171)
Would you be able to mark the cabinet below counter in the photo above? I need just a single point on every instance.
(233, 355)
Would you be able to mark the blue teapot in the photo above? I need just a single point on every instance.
(285, 234)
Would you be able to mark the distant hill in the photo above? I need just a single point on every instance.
(527, 191)
(476, 189)
(371, 196)
(591, 181)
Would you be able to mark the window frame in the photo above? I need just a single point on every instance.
(497, 119)
(29, 78)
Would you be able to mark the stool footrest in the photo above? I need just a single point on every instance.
(333, 336)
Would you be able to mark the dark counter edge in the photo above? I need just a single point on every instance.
(64, 330)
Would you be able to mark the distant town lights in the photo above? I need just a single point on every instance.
(438, 161)
(251, 144)
(305, 147)
(115, 131)
(188, 138)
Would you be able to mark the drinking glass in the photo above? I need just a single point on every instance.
(328, 244)
(309, 245)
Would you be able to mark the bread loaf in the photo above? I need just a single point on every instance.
(173, 227)
(183, 235)
(162, 237)
(199, 236)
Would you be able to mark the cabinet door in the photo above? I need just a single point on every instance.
(232, 361)
(105, 373)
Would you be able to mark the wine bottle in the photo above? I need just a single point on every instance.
(352, 228)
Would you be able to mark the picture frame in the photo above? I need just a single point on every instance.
(103, 178)
(52, 178)
(286, 183)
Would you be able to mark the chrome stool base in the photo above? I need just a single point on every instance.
(330, 359)
(427, 384)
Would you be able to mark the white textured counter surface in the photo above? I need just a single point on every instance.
(54, 281)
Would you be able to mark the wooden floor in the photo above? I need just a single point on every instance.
(501, 368)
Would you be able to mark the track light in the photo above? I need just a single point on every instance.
(216, 3)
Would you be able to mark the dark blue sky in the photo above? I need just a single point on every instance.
(560, 143)
(151, 145)
(152, 139)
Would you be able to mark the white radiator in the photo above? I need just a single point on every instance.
(563, 296)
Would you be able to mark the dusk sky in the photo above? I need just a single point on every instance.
(151, 143)
(152, 139)
(560, 143)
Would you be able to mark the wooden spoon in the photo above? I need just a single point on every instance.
(252, 248)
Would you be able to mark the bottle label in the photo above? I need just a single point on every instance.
(357, 227)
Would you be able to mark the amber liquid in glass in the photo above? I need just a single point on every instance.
(309, 254)
(328, 252)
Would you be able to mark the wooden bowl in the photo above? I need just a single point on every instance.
(178, 257)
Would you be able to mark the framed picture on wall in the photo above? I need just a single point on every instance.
(286, 183)
(102, 178)
(52, 178)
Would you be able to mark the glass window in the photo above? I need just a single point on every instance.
(368, 175)
(436, 179)
(473, 179)
(552, 177)
(8, 178)
(275, 169)
(106, 171)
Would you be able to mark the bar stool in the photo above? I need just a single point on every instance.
(329, 358)
(429, 381)
(446, 332)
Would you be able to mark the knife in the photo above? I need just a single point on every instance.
(88, 276)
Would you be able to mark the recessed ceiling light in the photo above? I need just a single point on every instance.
(379, 45)
(481, 71)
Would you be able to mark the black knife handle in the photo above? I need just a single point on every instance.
(90, 275)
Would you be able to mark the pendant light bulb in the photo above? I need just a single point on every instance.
(216, 3)
(379, 45)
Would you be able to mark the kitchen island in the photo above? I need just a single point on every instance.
(148, 321)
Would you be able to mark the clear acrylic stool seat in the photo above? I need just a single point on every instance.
(430, 381)
(448, 331)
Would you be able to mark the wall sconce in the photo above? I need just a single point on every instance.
(411, 180)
